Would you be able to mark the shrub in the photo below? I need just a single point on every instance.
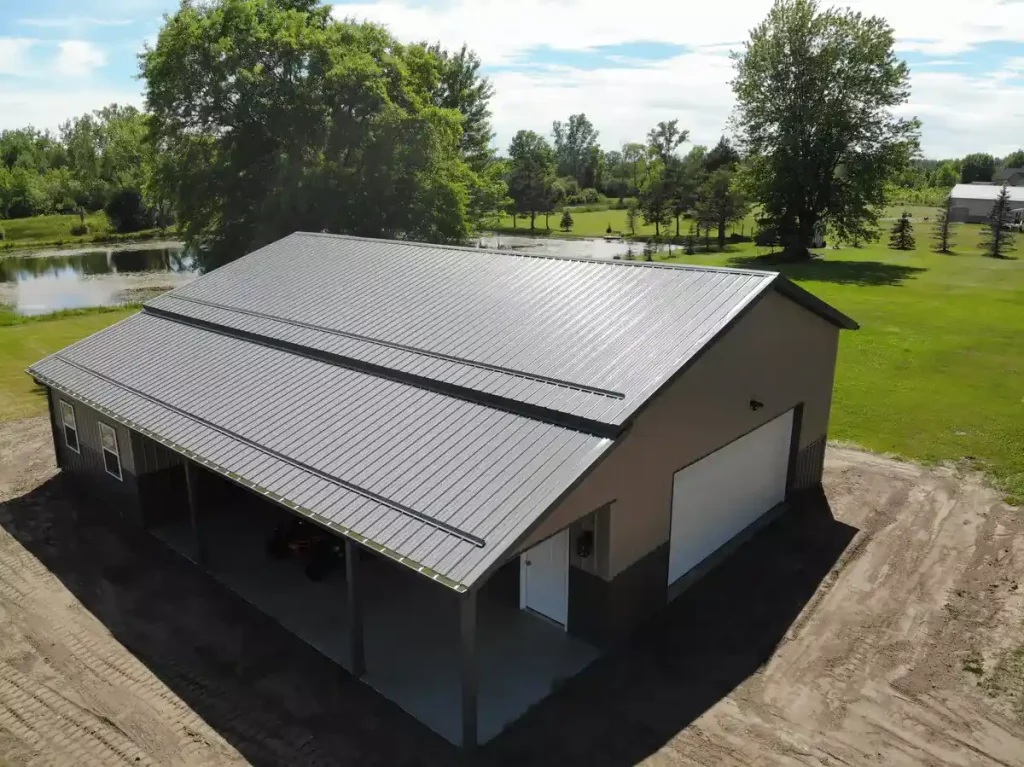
(3, 234)
(128, 212)
(79, 229)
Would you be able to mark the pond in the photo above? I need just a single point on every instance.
(557, 246)
(47, 281)
(38, 282)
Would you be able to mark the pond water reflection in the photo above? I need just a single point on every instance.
(35, 283)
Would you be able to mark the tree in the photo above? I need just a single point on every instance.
(723, 155)
(128, 212)
(655, 197)
(663, 175)
(947, 176)
(943, 234)
(998, 239)
(816, 98)
(721, 202)
(531, 174)
(902, 234)
(460, 86)
(566, 220)
(634, 156)
(977, 167)
(1014, 159)
(665, 138)
(278, 117)
(686, 177)
(573, 142)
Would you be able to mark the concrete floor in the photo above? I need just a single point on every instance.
(411, 627)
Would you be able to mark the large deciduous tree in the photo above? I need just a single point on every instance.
(979, 166)
(816, 92)
(663, 190)
(531, 179)
(1014, 159)
(573, 142)
(721, 202)
(946, 175)
(277, 117)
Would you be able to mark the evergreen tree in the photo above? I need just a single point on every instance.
(566, 220)
(903, 234)
(997, 239)
(943, 228)
(691, 240)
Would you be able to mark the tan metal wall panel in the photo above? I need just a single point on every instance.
(779, 354)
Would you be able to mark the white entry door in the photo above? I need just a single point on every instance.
(714, 499)
(544, 578)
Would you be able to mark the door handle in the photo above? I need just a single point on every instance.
(528, 563)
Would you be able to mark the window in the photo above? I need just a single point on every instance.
(67, 414)
(111, 456)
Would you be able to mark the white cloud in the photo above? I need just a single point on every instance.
(74, 21)
(47, 108)
(14, 54)
(78, 58)
(624, 103)
(501, 33)
(961, 113)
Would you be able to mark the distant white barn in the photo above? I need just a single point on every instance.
(972, 203)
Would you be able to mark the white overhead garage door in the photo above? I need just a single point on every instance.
(720, 495)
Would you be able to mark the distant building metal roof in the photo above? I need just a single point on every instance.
(429, 402)
(985, 192)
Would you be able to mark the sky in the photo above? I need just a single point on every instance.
(627, 65)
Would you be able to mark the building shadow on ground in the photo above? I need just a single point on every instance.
(863, 273)
(278, 701)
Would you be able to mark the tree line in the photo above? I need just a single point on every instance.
(97, 161)
(264, 117)
(650, 179)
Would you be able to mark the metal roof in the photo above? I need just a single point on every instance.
(429, 402)
(985, 192)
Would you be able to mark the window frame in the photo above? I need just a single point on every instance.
(115, 451)
(66, 408)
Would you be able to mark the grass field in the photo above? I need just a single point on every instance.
(28, 342)
(936, 372)
(45, 231)
(596, 223)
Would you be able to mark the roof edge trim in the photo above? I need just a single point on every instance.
(812, 303)
(346, 532)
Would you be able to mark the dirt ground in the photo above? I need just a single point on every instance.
(882, 625)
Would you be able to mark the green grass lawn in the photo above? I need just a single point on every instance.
(45, 231)
(27, 342)
(47, 228)
(596, 223)
(936, 372)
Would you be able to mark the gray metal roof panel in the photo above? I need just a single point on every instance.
(409, 396)
(287, 425)
(587, 338)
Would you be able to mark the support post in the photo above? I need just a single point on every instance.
(55, 425)
(470, 674)
(192, 484)
(357, 653)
